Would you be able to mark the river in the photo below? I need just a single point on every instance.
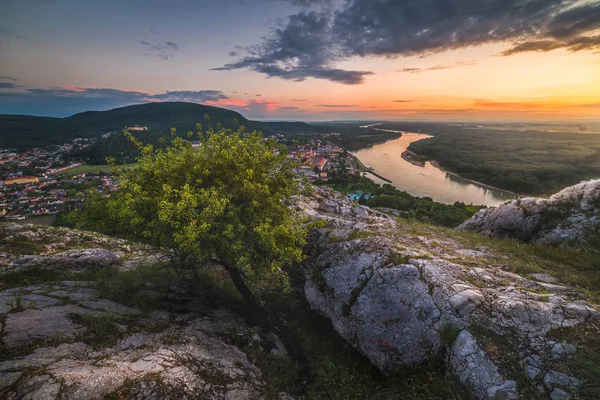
(428, 181)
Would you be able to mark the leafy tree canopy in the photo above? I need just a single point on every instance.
(226, 201)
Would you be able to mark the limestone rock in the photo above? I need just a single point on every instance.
(191, 356)
(572, 215)
(393, 295)
(71, 260)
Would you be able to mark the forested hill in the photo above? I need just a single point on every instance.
(22, 131)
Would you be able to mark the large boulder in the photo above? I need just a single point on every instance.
(397, 297)
(571, 215)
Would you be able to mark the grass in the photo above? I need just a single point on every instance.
(396, 258)
(586, 364)
(503, 350)
(353, 235)
(102, 329)
(448, 334)
(20, 245)
(93, 169)
(576, 265)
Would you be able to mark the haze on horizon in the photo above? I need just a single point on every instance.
(463, 60)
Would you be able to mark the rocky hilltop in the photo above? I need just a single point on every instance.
(401, 294)
(76, 322)
(70, 339)
(571, 215)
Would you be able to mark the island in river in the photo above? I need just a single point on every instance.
(428, 180)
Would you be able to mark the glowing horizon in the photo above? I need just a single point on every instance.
(60, 57)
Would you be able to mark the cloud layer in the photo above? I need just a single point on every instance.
(313, 42)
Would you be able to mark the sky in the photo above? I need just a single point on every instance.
(451, 60)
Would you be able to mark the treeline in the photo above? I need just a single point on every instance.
(420, 208)
(530, 162)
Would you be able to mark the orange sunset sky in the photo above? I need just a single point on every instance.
(306, 59)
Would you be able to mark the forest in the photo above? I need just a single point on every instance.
(531, 162)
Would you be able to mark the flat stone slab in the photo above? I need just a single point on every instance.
(34, 325)
(546, 278)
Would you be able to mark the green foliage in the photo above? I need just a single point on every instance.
(226, 201)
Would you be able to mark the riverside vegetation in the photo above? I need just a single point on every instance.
(156, 313)
(531, 162)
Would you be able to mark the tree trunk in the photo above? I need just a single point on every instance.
(257, 312)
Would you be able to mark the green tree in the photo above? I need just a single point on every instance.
(227, 201)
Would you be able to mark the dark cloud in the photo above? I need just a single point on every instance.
(404, 101)
(8, 78)
(59, 101)
(311, 43)
(298, 51)
(337, 105)
(8, 85)
(163, 50)
(574, 44)
(310, 3)
(289, 108)
(232, 54)
(299, 100)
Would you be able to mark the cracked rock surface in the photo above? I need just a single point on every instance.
(392, 295)
(571, 215)
(160, 355)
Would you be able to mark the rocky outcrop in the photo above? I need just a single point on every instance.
(397, 295)
(70, 261)
(474, 369)
(572, 215)
(160, 355)
(25, 247)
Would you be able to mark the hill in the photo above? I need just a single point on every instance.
(23, 131)
(383, 308)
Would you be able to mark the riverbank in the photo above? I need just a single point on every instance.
(363, 168)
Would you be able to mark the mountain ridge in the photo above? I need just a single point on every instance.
(28, 131)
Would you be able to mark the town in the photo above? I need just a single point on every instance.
(43, 181)
(46, 181)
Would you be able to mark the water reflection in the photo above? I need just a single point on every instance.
(427, 181)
